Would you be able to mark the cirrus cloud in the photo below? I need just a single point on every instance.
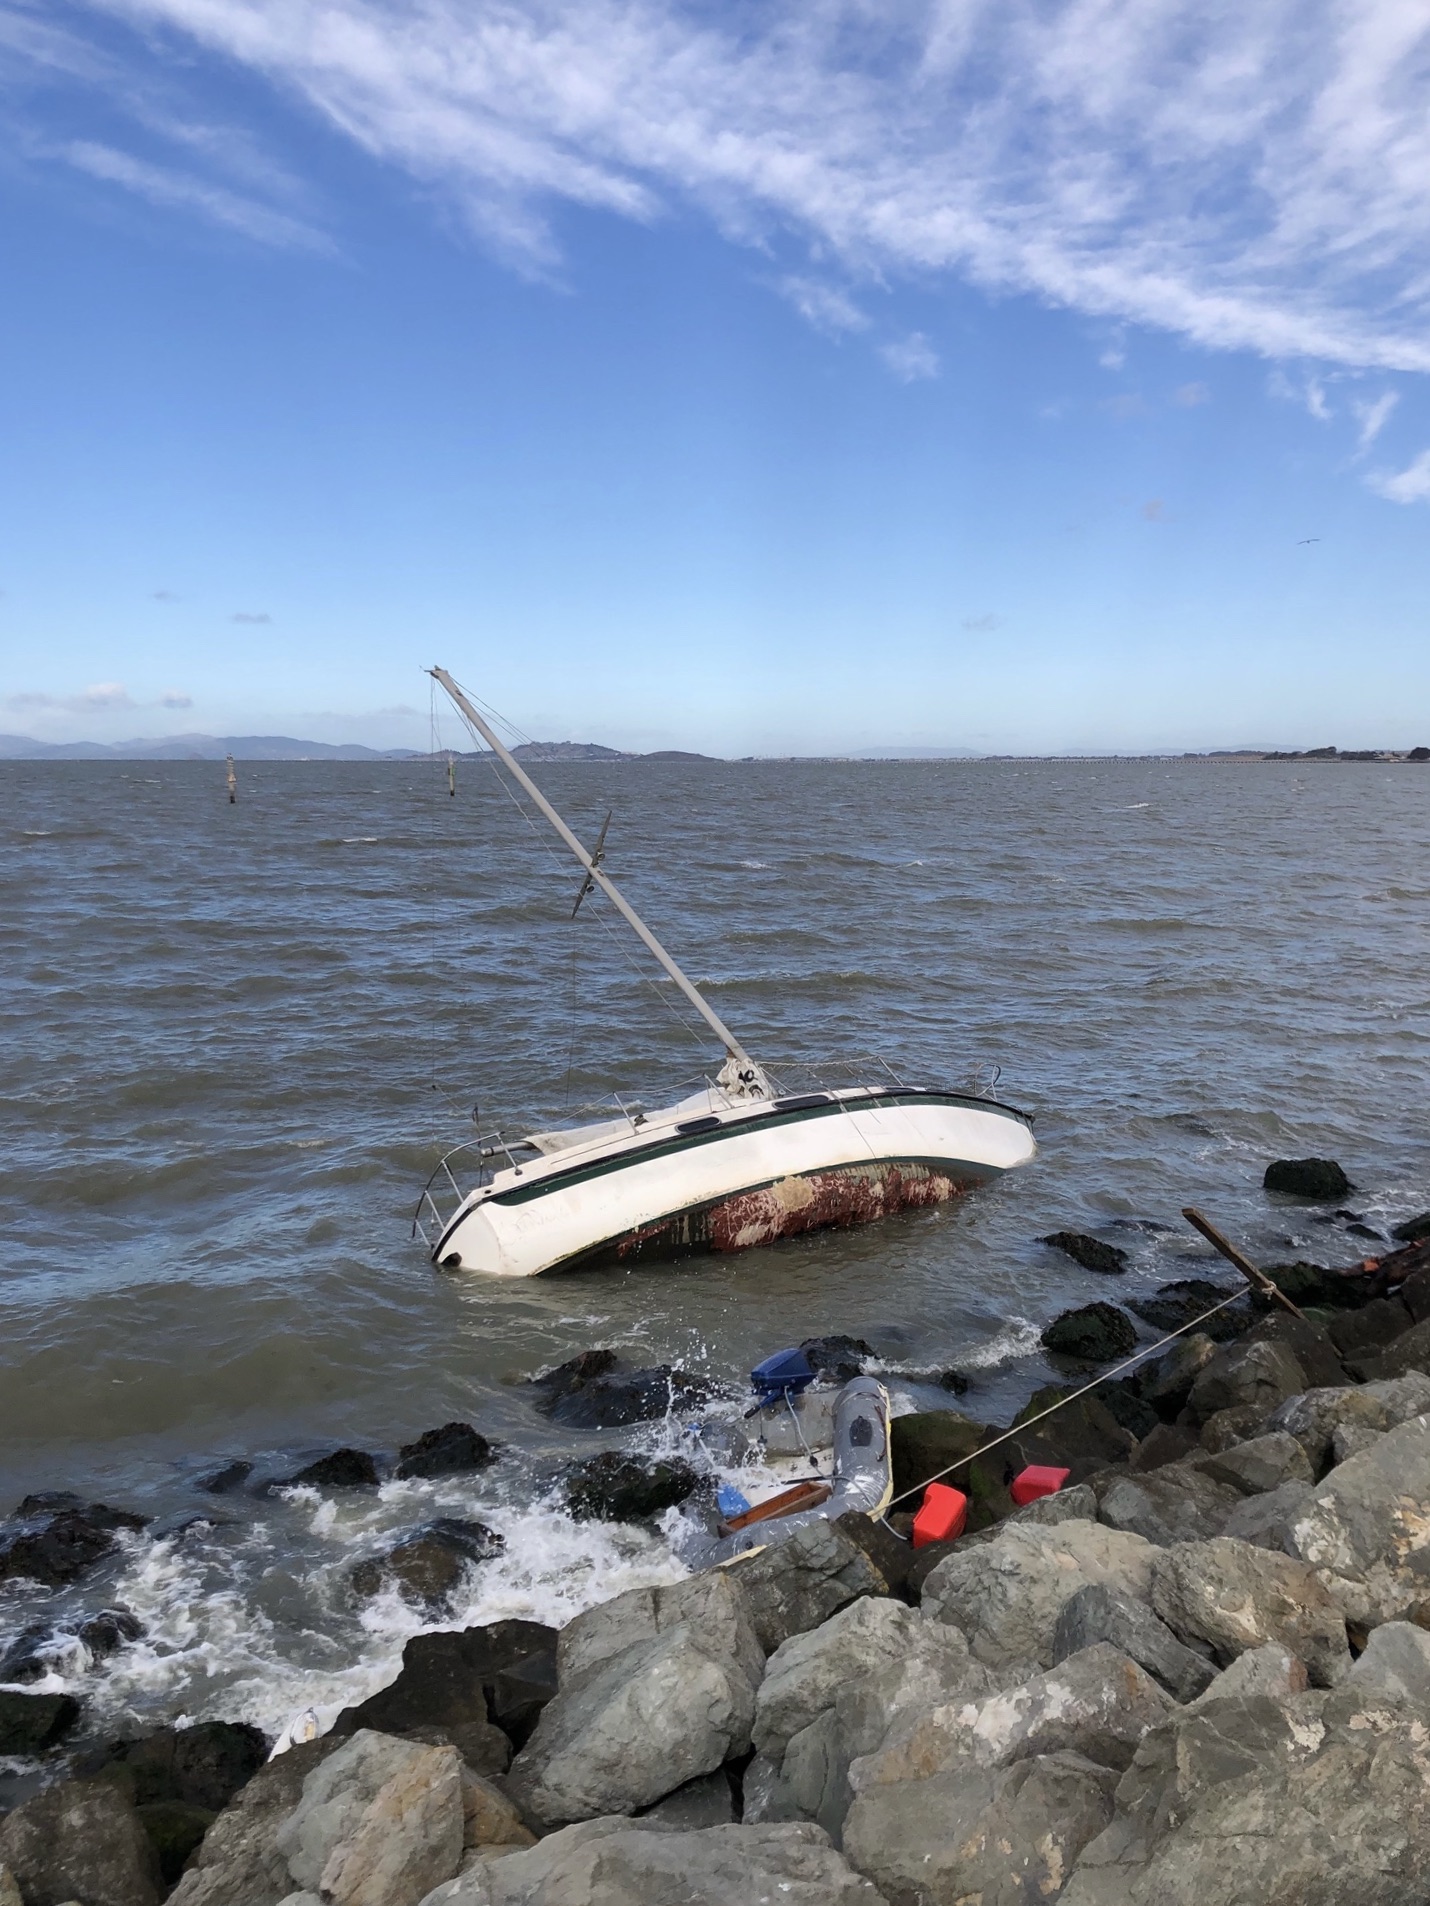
(1249, 178)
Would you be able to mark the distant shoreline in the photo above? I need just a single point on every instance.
(253, 748)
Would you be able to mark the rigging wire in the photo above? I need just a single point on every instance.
(616, 940)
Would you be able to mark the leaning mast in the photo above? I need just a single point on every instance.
(750, 1075)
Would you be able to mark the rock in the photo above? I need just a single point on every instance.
(238, 1862)
(107, 1632)
(1261, 1464)
(1176, 1305)
(1307, 1342)
(1082, 1436)
(30, 1723)
(1267, 1520)
(1098, 1613)
(634, 1863)
(798, 1583)
(890, 1557)
(1166, 1382)
(380, 1823)
(1360, 1332)
(1349, 1439)
(1394, 1666)
(655, 1688)
(1074, 1502)
(223, 1482)
(593, 1391)
(999, 1836)
(59, 1538)
(1005, 1596)
(1097, 1333)
(1224, 1429)
(616, 1487)
(1233, 1596)
(1122, 1398)
(9, 1888)
(1318, 1178)
(450, 1451)
(1413, 1229)
(1246, 1375)
(1313, 1287)
(837, 1358)
(1098, 1704)
(1167, 1443)
(952, 1380)
(1415, 1294)
(173, 1829)
(202, 1766)
(79, 1841)
(1313, 1417)
(1180, 1502)
(930, 1441)
(706, 1802)
(488, 1816)
(1365, 1529)
(1410, 1351)
(28, 1656)
(339, 1469)
(1270, 1670)
(805, 1674)
(1091, 1253)
(504, 1672)
(431, 1565)
(1280, 1806)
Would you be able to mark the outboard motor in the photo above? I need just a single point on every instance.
(785, 1374)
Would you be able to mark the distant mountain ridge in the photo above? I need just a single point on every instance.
(290, 748)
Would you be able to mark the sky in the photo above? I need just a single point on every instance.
(988, 374)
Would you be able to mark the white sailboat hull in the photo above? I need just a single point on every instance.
(733, 1180)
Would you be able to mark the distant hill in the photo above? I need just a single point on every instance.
(288, 748)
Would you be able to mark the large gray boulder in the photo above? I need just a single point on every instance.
(1394, 1667)
(380, 1822)
(1000, 1836)
(1267, 1520)
(1098, 1613)
(79, 1840)
(1098, 1704)
(658, 1690)
(1006, 1595)
(1366, 1530)
(794, 1585)
(1269, 1670)
(617, 1862)
(1244, 1376)
(1233, 1596)
(832, 1695)
(1314, 1416)
(1260, 1464)
(1180, 1502)
(238, 1863)
(1258, 1803)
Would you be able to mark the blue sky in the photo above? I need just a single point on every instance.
(1020, 377)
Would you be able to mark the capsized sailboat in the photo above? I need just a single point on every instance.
(741, 1163)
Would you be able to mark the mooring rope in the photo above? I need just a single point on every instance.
(1062, 1402)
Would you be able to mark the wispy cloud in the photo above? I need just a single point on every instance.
(1373, 416)
(98, 698)
(1155, 510)
(911, 358)
(1188, 396)
(164, 595)
(1410, 485)
(825, 306)
(250, 615)
(982, 624)
(1245, 177)
(164, 185)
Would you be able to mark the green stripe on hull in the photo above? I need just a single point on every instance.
(664, 1148)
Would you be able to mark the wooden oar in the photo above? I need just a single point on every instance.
(1244, 1264)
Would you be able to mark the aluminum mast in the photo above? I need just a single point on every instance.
(751, 1078)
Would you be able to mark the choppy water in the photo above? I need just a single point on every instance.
(236, 1038)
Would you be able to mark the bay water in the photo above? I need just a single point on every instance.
(236, 1038)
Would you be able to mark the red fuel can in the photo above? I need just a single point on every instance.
(942, 1516)
(1038, 1479)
